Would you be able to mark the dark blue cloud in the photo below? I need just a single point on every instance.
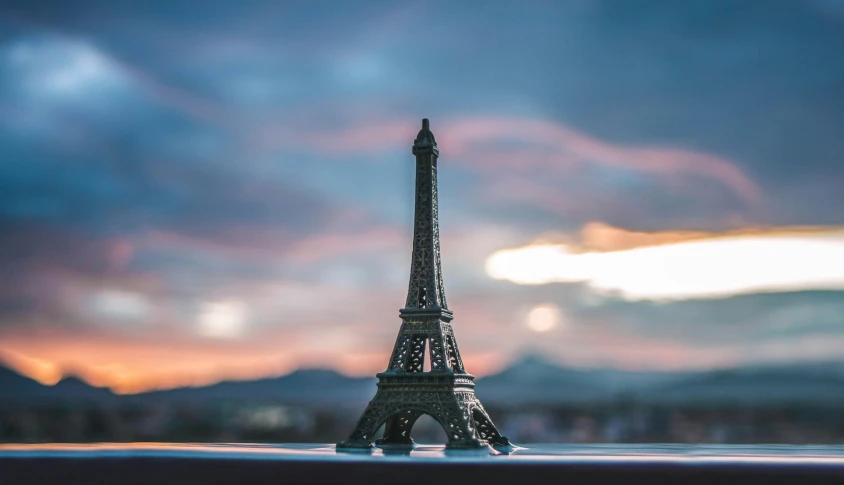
(755, 82)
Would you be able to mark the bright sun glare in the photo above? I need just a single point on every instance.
(543, 318)
(223, 319)
(692, 269)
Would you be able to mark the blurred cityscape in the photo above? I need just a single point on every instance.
(624, 423)
(533, 401)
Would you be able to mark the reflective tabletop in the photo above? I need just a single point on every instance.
(313, 463)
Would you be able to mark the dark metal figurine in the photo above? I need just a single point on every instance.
(405, 392)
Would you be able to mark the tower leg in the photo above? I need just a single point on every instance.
(458, 423)
(486, 430)
(367, 425)
(397, 428)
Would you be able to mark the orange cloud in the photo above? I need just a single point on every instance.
(353, 335)
(133, 365)
(43, 371)
(288, 327)
(597, 236)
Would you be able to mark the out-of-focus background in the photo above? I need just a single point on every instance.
(206, 215)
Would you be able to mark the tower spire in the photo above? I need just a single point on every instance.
(426, 282)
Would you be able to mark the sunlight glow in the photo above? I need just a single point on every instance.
(222, 319)
(46, 373)
(543, 318)
(707, 268)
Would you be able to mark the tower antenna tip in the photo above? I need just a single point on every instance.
(425, 125)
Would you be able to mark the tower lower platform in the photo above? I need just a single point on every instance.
(446, 396)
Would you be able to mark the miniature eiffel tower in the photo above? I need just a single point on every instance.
(405, 392)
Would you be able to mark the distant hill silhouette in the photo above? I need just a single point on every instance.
(814, 383)
(12, 383)
(304, 386)
(536, 379)
(16, 387)
(532, 379)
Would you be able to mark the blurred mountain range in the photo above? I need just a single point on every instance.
(533, 379)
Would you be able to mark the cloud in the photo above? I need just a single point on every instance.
(62, 69)
(718, 103)
(117, 305)
(564, 146)
(252, 329)
(136, 365)
(543, 146)
(535, 172)
(601, 237)
(672, 266)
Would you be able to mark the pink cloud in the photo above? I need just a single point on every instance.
(332, 244)
(262, 244)
(546, 146)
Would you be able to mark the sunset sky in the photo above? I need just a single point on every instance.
(199, 190)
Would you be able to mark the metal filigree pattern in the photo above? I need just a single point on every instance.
(405, 391)
(454, 360)
(444, 353)
(460, 414)
(486, 430)
(417, 354)
(400, 352)
(435, 226)
(437, 360)
(398, 426)
(425, 266)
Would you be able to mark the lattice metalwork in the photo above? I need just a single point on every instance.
(435, 227)
(417, 354)
(486, 430)
(459, 413)
(454, 360)
(426, 283)
(437, 360)
(397, 427)
(400, 353)
(405, 391)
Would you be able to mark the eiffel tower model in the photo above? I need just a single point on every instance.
(405, 391)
